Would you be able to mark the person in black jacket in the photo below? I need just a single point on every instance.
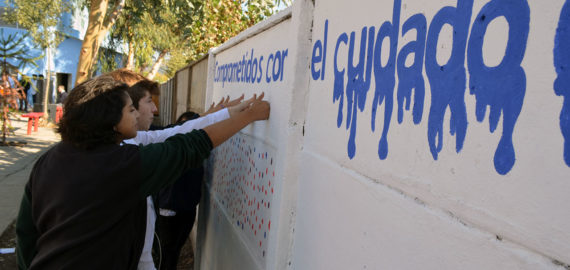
(177, 210)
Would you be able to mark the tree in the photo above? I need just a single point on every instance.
(223, 19)
(181, 31)
(215, 23)
(101, 19)
(13, 48)
(40, 18)
(153, 34)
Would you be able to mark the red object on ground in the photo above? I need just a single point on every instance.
(33, 118)
(58, 113)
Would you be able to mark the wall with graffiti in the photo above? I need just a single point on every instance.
(404, 134)
(251, 179)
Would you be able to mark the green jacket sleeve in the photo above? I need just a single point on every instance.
(163, 163)
(26, 233)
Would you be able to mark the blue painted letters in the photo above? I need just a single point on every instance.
(562, 83)
(448, 81)
(338, 88)
(358, 83)
(320, 54)
(247, 69)
(503, 87)
(385, 76)
(411, 77)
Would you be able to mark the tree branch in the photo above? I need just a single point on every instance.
(110, 20)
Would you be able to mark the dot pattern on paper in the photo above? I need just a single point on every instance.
(241, 174)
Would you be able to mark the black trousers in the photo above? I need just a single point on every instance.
(173, 233)
(23, 104)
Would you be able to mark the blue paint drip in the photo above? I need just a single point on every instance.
(562, 82)
(411, 78)
(338, 90)
(358, 82)
(503, 87)
(385, 76)
(448, 81)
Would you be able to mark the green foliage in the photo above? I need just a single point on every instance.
(40, 18)
(185, 29)
(222, 19)
(13, 47)
(5, 114)
(151, 30)
(107, 60)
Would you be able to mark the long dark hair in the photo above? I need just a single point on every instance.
(92, 110)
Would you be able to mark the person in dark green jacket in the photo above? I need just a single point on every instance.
(84, 205)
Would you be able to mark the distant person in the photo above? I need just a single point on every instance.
(26, 83)
(61, 94)
(22, 100)
(29, 93)
(11, 88)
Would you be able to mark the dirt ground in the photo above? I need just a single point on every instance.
(8, 261)
(8, 240)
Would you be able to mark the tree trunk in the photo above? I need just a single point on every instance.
(4, 111)
(4, 120)
(95, 53)
(48, 79)
(99, 25)
(131, 57)
(157, 65)
(97, 13)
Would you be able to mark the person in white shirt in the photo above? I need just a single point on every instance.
(141, 91)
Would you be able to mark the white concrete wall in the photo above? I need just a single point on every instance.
(250, 203)
(472, 174)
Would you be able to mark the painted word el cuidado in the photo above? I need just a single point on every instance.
(501, 88)
(251, 69)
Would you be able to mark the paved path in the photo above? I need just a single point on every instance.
(16, 163)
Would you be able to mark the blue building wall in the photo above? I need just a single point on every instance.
(66, 56)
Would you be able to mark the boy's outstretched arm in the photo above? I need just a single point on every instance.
(180, 152)
(221, 131)
(156, 136)
(224, 103)
(242, 105)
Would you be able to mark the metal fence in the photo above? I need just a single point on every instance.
(166, 100)
(185, 91)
